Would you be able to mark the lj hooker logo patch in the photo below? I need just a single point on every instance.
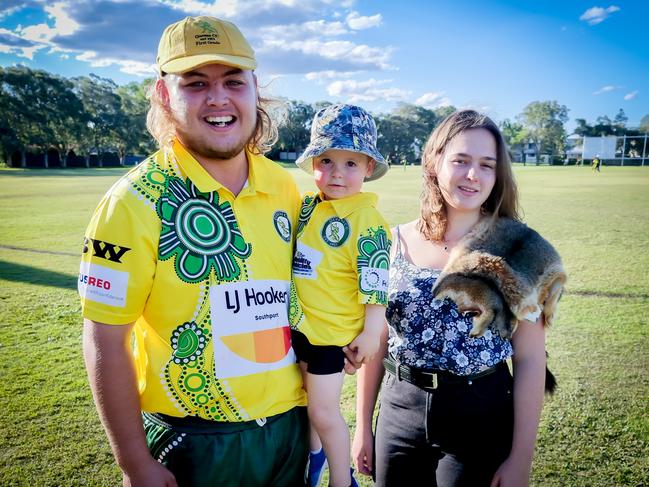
(209, 34)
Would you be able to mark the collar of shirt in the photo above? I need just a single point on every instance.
(344, 206)
(259, 177)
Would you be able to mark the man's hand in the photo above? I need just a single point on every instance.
(152, 474)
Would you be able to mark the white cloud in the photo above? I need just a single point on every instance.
(253, 13)
(313, 28)
(38, 36)
(41, 33)
(631, 96)
(359, 22)
(12, 43)
(63, 24)
(595, 15)
(135, 68)
(9, 11)
(433, 100)
(289, 36)
(605, 89)
(344, 52)
(366, 91)
(324, 76)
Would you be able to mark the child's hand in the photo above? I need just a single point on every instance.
(365, 346)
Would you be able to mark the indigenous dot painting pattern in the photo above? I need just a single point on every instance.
(373, 253)
(308, 205)
(201, 235)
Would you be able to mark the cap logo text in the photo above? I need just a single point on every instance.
(208, 36)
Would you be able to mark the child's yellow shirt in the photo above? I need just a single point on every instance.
(341, 263)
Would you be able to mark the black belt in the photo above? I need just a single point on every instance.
(432, 379)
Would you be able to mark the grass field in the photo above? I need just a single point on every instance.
(594, 431)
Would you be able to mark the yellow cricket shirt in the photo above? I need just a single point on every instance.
(341, 264)
(205, 277)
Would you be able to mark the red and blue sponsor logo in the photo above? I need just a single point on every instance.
(94, 281)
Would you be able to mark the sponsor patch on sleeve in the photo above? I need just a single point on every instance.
(374, 279)
(102, 285)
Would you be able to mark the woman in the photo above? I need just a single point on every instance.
(450, 410)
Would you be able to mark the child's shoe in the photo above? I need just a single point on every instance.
(315, 467)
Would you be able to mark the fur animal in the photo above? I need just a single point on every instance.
(502, 272)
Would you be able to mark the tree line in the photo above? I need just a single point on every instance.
(90, 116)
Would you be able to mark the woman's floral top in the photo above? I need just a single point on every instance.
(431, 334)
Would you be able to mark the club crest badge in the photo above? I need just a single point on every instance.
(335, 231)
(282, 225)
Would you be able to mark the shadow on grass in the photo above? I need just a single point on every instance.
(76, 171)
(33, 275)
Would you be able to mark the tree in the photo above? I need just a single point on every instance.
(515, 136)
(104, 115)
(38, 111)
(543, 122)
(644, 124)
(395, 140)
(66, 118)
(294, 131)
(131, 133)
(513, 132)
(403, 133)
(583, 128)
(620, 120)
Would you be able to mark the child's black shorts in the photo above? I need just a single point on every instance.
(320, 359)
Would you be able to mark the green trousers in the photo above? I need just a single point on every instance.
(249, 454)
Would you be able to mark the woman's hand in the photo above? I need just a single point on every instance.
(512, 473)
(363, 450)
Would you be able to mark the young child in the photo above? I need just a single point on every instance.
(340, 274)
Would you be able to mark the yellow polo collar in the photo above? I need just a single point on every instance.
(345, 206)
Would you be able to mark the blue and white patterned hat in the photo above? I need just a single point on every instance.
(343, 127)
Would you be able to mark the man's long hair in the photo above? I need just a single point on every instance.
(159, 122)
(503, 200)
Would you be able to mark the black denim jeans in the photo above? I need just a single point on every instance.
(455, 435)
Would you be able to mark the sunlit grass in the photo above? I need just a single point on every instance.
(594, 431)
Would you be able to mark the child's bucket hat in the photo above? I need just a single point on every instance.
(343, 127)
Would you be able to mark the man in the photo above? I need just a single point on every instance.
(185, 282)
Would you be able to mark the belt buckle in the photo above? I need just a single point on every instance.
(435, 382)
(397, 369)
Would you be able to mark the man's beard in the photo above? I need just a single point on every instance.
(221, 154)
(204, 149)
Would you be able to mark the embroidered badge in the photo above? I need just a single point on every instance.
(335, 231)
(282, 225)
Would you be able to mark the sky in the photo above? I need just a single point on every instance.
(495, 56)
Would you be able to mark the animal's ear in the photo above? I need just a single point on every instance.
(554, 293)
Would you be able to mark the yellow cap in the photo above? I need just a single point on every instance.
(196, 41)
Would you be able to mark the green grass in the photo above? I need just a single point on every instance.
(594, 431)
